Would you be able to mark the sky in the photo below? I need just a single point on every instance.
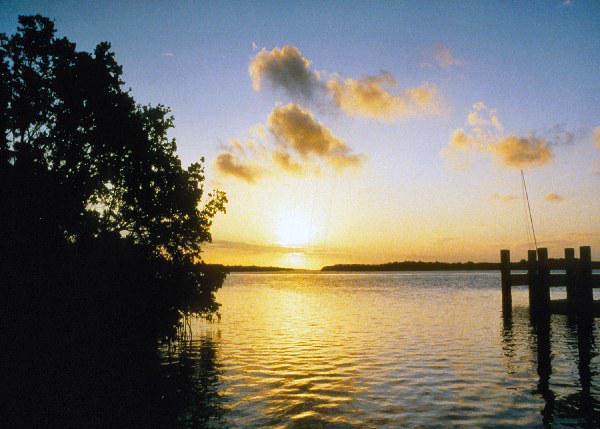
(369, 132)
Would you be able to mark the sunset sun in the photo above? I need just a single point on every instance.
(294, 229)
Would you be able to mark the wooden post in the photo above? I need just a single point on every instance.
(505, 273)
(571, 277)
(543, 280)
(532, 278)
(585, 292)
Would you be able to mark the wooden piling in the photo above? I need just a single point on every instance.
(571, 277)
(505, 274)
(532, 278)
(585, 292)
(578, 279)
(543, 284)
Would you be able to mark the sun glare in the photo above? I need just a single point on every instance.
(294, 229)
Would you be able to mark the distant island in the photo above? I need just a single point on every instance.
(439, 266)
(251, 268)
(393, 266)
(417, 266)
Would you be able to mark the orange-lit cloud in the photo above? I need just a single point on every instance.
(377, 97)
(485, 136)
(553, 198)
(284, 68)
(228, 164)
(522, 152)
(505, 198)
(297, 129)
(482, 116)
(285, 162)
(292, 142)
(444, 56)
(597, 137)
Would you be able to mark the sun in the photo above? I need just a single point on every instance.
(294, 229)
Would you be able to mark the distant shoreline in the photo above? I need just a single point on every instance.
(254, 269)
(417, 266)
(441, 266)
(390, 266)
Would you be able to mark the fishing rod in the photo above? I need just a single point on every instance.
(529, 208)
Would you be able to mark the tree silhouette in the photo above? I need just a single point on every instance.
(84, 170)
(101, 227)
(69, 128)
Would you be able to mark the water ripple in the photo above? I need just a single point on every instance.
(385, 351)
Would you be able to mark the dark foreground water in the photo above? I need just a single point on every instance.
(382, 350)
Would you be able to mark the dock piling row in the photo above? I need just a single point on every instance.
(578, 279)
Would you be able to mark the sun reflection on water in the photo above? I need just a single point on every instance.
(377, 350)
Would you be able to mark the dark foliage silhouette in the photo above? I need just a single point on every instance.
(100, 225)
(442, 266)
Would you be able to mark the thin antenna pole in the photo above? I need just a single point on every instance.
(529, 208)
(526, 213)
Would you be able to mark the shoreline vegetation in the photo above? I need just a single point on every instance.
(390, 266)
(419, 266)
(255, 269)
(101, 229)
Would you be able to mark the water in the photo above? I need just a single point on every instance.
(382, 350)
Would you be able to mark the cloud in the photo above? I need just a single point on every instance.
(285, 162)
(553, 198)
(444, 56)
(284, 68)
(228, 164)
(486, 136)
(276, 248)
(251, 247)
(292, 142)
(482, 116)
(297, 129)
(522, 152)
(597, 137)
(168, 54)
(558, 135)
(377, 97)
(508, 198)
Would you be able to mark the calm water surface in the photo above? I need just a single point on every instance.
(383, 350)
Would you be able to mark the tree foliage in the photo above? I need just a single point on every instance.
(82, 164)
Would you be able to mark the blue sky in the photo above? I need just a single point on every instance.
(536, 63)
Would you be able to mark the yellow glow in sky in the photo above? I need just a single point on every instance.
(295, 229)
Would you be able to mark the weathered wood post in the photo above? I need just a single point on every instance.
(532, 278)
(505, 274)
(585, 292)
(571, 277)
(543, 280)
